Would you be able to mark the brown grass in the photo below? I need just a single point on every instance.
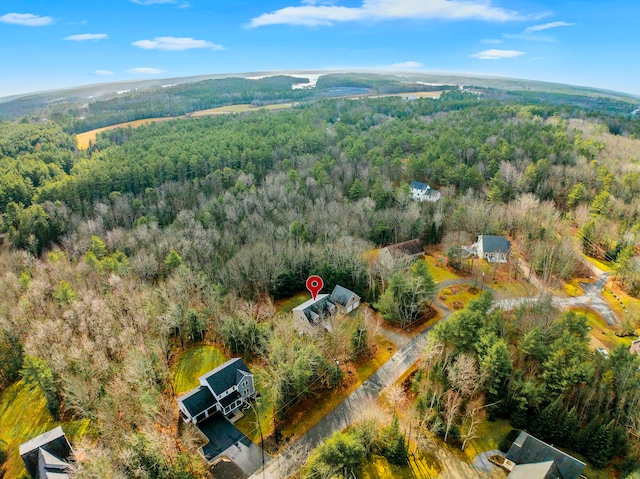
(88, 137)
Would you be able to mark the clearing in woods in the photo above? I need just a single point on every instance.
(88, 137)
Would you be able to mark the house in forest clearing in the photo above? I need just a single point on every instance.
(314, 315)
(533, 459)
(423, 192)
(411, 248)
(495, 249)
(224, 389)
(48, 455)
(635, 347)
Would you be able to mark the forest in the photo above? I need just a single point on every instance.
(187, 232)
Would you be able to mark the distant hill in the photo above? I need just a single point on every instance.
(93, 106)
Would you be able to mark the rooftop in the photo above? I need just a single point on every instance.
(197, 400)
(342, 295)
(529, 450)
(418, 185)
(224, 376)
(411, 247)
(494, 243)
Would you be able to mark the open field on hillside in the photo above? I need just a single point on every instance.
(89, 137)
(413, 94)
(237, 109)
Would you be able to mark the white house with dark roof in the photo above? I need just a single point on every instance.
(495, 249)
(224, 389)
(423, 192)
(313, 316)
(48, 455)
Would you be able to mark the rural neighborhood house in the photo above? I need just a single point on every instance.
(495, 249)
(411, 249)
(535, 459)
(224, 389)
(47, 456)
(314, 315)
(423, 192)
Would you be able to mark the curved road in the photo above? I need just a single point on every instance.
(345, 413)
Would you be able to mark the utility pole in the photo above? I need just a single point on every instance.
(257, 423)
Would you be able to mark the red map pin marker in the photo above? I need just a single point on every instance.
(314, 285)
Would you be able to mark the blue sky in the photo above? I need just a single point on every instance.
(54, 44)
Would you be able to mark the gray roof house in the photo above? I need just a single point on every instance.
(312, 316)
(48, 455)
(535, 459)
(495, 249)
(224, 389)
(423, 192)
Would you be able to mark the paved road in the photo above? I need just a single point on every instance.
(345, 413)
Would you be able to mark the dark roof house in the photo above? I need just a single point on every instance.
(224, 389)
(47, 456)
(536, 459)
(494, 249)
(313, 315)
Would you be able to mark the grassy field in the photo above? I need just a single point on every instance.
(605, 266)
(84, 139)
(23, 416)
(192, 364)
(621, 303)
(602, 335)
(377, 467)
(87, 137)
(489, 436)
(457, 296)
(237, 109)
(439, 271)
(286, 305)
(263, 406)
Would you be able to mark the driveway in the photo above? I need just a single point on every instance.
(226, 440)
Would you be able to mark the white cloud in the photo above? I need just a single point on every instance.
(146, 71)
(81, 37)
(175, 44)
(104, 73)
(409, 65)
(547, 26)
(494, 54)
(311, 14)
(154, 2)
(491, 41)
(27, 19)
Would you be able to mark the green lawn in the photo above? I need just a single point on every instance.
(489, 436)
(606, 266)
(286, 305)
(438, 270)
(377, 467)
(456, 296)
(602, 331)
(192, 364)
(263, 406)
(23, 416)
